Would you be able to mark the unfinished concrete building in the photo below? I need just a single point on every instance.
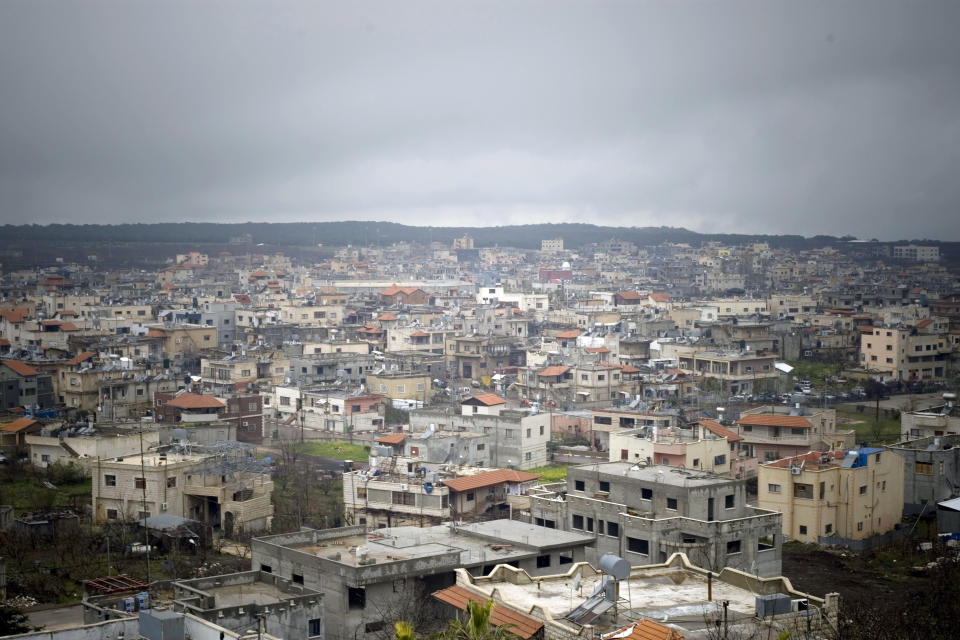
(253, 600)
(931, 471)
(646, 513)
(370, 579)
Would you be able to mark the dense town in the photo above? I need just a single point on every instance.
(606, 441)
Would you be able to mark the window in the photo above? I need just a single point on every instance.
(863, 490)
(859, 526)
(566, 559)
(356, 597)
(728, 501)
(636, 545)
(719, 460)
(528, 456)
(646, 494)
(613, 529)
(469, 497)
(828, 529)
(171, 482)
(110, 481)
(577, 522)
(377, 625)
(672, 504)
(481, 447)
(111, 514)
(543, 561)
(401, 388)
(590, 525)
(765, 543)
(604, 486)
(313, 628)
(803, 529)
(578, 485)
(733, 546)
(541, 429)
(297, 578)
(696, 463)
(266, 568)
(139, 483)
(529, 433)
(773, 488)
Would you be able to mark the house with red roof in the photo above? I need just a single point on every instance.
(22, 385)
(488, 404)
(774, 432)
(394, 295)
(187, 407)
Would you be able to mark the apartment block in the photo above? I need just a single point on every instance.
(836, 497)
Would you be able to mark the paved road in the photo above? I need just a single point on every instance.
(58, 618)
(902, 402)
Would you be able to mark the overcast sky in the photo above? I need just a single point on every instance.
(795, 117)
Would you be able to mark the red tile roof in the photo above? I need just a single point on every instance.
(394, 290)
(68, 326)
(21, 368)
(196, 401)
(568, 335)
(489, 478)
(555, 370)
(419, 334)
(923, 323)
(645, 629)
(486, 399)
(4, 342)
(516, 623)
(393, 438)
(630, 295)
(156, 333)
(660, 297)
(81, 357)
(597, 350)
(15, 316)
(386, 315)
(718, 429)
(766, 420)
(18, 425)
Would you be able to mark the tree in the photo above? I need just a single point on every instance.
(477, 625)
(12, 621)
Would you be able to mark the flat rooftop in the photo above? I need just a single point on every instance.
(247, 594)
(662, 474)
(493, 542)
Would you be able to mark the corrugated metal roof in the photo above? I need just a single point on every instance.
(515, 622)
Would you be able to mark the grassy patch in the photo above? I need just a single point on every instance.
(338, 450)
(551, 473)
(28, 493)
(887, 430)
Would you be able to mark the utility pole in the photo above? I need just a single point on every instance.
(143, 480)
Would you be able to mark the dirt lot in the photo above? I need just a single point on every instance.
(877, 577)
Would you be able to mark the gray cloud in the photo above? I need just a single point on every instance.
(794, 117)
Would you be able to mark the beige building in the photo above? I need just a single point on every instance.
(179, 339)
(401, 385)
(226, 490)
(835, 497)
(697, 448)
(905, 353)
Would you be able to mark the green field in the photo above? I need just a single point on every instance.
(886, 431)
(551, 473)
(338, 450)
(27, 493)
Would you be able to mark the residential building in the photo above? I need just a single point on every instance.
(512, 439)
(734, 372)
(916, 252)
(835, 497)
(939, 419)
(905, 354)
(547, 608)
(647, 513)
(223, 486)
(369, 579)
(273, 605)
(772, 432)
(699, 447)
(552, 245)
(412, 387)
(931, 471)
(22, 385)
